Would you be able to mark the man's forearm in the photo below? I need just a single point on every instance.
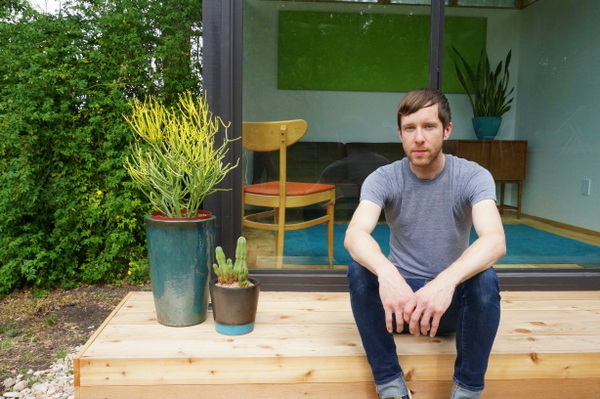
(365, 250)
(481, 255)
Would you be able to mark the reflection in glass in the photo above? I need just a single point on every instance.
(356, 1)
(425, 2)
(555, 54)
(553, 47)
(488, 3)
(348, 173)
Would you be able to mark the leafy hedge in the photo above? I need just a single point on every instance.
(68, 212)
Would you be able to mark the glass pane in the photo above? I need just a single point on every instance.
(426, 2)
(342, 68)
(488, 3)
(555, 111)
(356, 1)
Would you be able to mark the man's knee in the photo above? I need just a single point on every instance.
(483, 289)
(360, 278)
(356, 271)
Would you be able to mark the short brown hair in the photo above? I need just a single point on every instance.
(418, 99)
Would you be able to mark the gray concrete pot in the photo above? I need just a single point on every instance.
(234, 309)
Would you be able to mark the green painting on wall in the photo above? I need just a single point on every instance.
(368, 52)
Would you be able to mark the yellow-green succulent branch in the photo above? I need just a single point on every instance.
(174, 159)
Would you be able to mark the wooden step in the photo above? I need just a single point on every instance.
(306, 345)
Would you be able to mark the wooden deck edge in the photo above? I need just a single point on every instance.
(503, 367)
(530, 389)
(76, 359)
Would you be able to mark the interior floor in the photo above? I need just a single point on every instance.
(261, 244)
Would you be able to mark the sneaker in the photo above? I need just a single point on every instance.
(398, 397)
(392, 389)
(462, 393)
(408, 396)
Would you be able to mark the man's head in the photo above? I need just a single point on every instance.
(422, 98)
(424, 124)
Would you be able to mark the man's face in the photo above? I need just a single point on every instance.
(422, 135)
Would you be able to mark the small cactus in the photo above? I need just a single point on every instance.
(229, 273)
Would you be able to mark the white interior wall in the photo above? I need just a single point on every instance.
(559, 110)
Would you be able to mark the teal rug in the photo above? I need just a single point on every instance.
(525, 245)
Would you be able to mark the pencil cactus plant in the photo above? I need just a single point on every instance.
(175, 160)
(232, 274)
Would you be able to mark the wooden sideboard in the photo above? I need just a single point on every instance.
(505, 159)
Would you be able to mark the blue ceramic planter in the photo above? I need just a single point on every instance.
(180, 254)
(486, 127)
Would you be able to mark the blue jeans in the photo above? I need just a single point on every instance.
(474, 316)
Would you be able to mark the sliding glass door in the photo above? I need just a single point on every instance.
(546, 153)
(341, 67)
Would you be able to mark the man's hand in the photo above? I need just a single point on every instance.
(424, 311)
(425, 308)
(395, 293)
(393, 289)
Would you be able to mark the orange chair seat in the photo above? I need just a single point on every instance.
(292, 188)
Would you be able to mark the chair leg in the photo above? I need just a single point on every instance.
(279, 248)
(280, 217)
(330, 212)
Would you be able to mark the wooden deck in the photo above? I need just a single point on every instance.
(305, 345)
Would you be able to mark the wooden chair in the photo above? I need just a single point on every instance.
(280, 195)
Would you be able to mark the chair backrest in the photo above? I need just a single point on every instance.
(271, 136)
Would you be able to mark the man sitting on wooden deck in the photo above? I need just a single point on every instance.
(433, 280)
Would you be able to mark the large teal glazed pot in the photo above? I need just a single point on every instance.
(180, 255)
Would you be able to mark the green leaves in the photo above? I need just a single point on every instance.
(487, 90)
(69, 213)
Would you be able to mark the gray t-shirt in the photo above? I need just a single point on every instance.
(430, 220)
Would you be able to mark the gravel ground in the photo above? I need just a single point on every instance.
(55, 382)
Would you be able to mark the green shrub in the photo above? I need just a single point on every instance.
(68, 211)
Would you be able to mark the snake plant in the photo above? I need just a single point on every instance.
(487, 89)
